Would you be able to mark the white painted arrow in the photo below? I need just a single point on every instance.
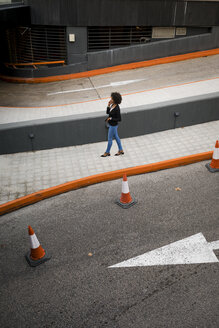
(191, 250)
(115, 84)
(112, 84)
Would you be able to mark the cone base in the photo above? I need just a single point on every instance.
(211, 169)
(34, 263)
(126, 205)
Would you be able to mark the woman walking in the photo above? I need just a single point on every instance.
(113, 111)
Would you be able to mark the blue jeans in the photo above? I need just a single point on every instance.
(113, 133)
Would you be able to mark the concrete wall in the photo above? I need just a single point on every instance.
(89, 128)
(76, 51)
(14, 15)
(77, 15)
(124, 12)
(80, 62)
(154, 50)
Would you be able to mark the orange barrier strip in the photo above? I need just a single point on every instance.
(93, 179)
(111, 69)
(36, 63)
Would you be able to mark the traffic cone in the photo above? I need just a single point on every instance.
(125, 200)
(37, 254)
(214, 165)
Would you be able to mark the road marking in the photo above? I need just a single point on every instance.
(113, 84)
(191, 250)
(104, 98)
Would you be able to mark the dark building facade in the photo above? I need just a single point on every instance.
(54, 37)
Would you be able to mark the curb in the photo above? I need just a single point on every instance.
(111, 69)
(97, 178)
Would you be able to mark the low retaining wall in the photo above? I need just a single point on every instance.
(89, 61)
(88, 128)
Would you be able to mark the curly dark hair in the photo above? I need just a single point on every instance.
(117, 98)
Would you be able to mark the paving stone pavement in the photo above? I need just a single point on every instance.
(25, 173)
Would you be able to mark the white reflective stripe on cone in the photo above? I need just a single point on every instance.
(34, 242)
(125, 187)
(216, 154)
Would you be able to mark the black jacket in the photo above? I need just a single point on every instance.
(114, 114)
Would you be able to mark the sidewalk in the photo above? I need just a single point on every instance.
(25, 173)
(142, 86)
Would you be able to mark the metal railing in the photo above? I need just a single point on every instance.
(103, 38)
(35, 44)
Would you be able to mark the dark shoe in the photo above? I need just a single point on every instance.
(120, 152)
(105, 155)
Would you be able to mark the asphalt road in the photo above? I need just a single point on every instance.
(44, 94)
(75, 290)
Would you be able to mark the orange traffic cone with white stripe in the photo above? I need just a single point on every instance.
(126, 200)
(214, 165)
(37, 254)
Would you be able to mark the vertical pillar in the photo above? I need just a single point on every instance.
(76, 38)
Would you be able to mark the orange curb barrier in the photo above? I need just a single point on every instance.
(112, 69)
(93, 179)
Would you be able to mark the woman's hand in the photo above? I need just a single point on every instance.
(109, 118)
(110, 102)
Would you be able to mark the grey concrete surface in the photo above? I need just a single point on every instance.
(76, 290)
(25, 173)
(155, 76)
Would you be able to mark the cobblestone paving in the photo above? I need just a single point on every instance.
(25, 173)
